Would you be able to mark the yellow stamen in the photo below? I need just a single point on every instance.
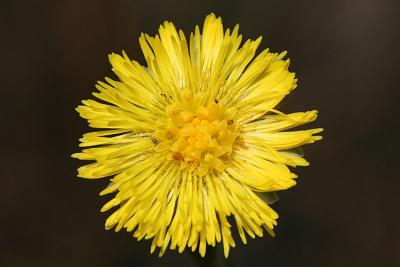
(197, 137)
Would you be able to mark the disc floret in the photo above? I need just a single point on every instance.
(197, 136)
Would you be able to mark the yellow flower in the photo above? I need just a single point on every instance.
(193, 138)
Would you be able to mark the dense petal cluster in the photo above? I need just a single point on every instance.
(194, 138)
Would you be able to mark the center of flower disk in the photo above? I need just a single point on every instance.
(198, 137)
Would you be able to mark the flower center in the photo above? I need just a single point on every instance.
(198, 137)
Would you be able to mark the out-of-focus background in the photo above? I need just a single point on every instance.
(344, 210)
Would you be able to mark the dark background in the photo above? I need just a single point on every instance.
(344, 210)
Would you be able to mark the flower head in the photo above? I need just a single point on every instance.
(194, 138)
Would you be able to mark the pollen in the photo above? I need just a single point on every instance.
(199, 137)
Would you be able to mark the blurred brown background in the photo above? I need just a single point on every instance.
(344, 210)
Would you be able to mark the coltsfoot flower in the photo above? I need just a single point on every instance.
(194, 138)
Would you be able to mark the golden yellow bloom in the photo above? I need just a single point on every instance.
(193, 138)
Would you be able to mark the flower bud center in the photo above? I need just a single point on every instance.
(198, 137)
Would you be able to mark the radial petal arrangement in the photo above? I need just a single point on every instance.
(191, 140)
